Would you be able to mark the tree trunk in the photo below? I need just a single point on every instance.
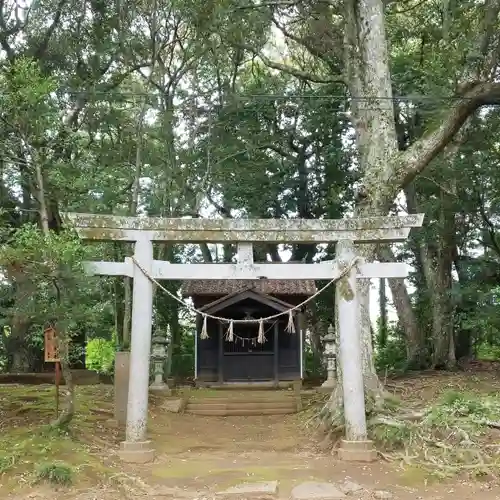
(369, 76)
(175, 337)
(63, 336)
(127, 313)
(134, 201)
(119, 300)
(383, 324)
(464, 345)
(66, 415)
(415, 341)
(42, 199)
(16, 347)
(443, 313)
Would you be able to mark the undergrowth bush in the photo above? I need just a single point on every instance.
(488, 352)
(392, 356)
(7, 461)
(100, 355)
(314, 366)
(55, 473)
(447, 438)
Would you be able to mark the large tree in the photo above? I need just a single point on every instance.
(458, 42)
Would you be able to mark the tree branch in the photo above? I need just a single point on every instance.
(273, 3)
(491, 228)
(415, 159)
(298, 73)
(6, 32)
(299, 40)
(42, 46)
(291, 70)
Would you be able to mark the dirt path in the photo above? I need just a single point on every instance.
(199, 476)
(199, 456)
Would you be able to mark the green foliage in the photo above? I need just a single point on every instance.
(488, 352)
(7, 462)
(392, 356)
(468, 408)
(50, 267)
(383, 331)
(100, 355)
(56, 473)
(27, 99)
(313, 365)
(391, 438)
(4, 334)
(183, 357)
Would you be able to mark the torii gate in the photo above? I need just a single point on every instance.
(143, 231)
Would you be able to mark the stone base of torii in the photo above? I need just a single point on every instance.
(143, 231)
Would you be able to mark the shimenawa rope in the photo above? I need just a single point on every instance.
(290, 328)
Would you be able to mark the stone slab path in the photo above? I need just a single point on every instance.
(308, 490)
(129, 489)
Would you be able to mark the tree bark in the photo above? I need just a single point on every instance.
(373, 118)
(42, 199)
(415, 342)
(66, 415)
(383, 323)
(63, 336)
(440, 288)
(134, 201)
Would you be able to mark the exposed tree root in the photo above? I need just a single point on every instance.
(445, 438)
(331, 415)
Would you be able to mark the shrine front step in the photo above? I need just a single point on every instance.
(242, 399)
(231, 407)
(222, 411)
(243, 412)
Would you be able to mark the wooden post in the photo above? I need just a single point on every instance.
(276, 353)
(51, 355)
(221, 353)
(58, 382)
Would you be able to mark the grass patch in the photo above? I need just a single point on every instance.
(391, 438)
(31, 447)
(226, 476)
(54, 473)
(8, 461)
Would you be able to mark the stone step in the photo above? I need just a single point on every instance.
(239, 405)
(225, 412)
(251, 386)
(242, 399)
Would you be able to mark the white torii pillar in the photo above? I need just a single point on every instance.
(136, 448)
(355, 446)
(143, 231)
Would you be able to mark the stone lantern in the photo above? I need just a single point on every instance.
(159, 355)
(330, 354)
